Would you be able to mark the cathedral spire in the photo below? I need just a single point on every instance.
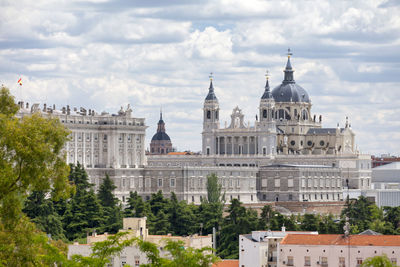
(288, 70)
(161, 114)
(211, 94)
(267, 93)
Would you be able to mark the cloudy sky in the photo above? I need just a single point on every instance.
(104, 54)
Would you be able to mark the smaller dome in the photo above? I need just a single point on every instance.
(160, 136)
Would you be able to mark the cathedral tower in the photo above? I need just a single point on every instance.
(266, 124)
(210, 121)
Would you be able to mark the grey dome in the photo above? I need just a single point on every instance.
(160, 136)
(289, 91)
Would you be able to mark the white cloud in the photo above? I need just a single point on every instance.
(102, 55)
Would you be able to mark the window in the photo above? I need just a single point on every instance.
(192, 198)
(216, 114)
(251, 197)
(342, 262)
(264, 182)
(264, 113)
(160, 182)
(290, 197)
(208, 114)
(307, 261)
(105, 137)
(172, 182)
(277, 182)
(324, 261)
(137, 263)
(393, 261)
(290, 261)
(123, 182)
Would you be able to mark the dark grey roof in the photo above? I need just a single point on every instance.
(211, 94)
(323, 130)
(289, 91)
(267, 93)
(160, 136)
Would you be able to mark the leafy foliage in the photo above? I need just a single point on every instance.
(378, 261)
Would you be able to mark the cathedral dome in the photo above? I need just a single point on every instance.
(160, 136)
(289, 91)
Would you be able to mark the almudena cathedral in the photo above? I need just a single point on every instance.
(285, 156)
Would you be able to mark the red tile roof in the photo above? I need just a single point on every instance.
(227, 263)
(340, 240)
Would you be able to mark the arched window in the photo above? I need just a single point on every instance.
(208, 114)
(216, 115)
(304, 114)
(265, 113)
(281, 114)
(287, 115)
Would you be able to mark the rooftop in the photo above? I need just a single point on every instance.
(340, 240)
(227, 263)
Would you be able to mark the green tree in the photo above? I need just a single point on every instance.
(158, 217)
(136, 206)
(105, 194)
(112, 210)
(378, 261)
(103, 251)
(239, 221)
(30, 160)
(310, 222)
(84, 211)
(42, 213)
(214, 189)
(182, 217)
(361, 212)
(178, 255)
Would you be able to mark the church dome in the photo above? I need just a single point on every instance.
(289, 91)
(160, 136)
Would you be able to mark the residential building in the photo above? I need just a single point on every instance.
(132, 255)
(260, 248)
(336, 250)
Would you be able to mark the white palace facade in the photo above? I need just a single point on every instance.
(285, 156)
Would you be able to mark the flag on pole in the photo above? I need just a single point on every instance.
(20, 81)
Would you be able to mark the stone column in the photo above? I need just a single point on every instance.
(84, 149)
(248, 145)
(126, 149)
(232, 147)
(225, 144)
(134, 150)
(92, 149)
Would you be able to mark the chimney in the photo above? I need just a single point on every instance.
(44, 107)
(283, 228)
